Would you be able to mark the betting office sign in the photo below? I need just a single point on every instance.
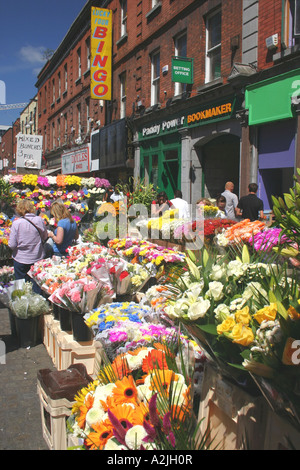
(182, 70)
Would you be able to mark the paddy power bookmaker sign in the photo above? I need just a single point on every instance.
(101, 53)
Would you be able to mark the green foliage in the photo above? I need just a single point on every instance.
(138, 192)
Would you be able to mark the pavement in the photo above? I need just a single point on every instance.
(20, 415)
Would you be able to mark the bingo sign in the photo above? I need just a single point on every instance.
(76, 161)
(29, 151)
(101, 53)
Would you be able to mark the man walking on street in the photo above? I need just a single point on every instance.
(250, 206)
(231, 200)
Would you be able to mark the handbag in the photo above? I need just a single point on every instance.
(48, 249)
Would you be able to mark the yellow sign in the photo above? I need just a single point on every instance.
(101, 53)
(209, 113)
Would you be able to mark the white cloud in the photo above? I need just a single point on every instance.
(32, 55)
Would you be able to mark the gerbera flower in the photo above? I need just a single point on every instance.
(155, 358)
(85, 407)
(162, 379)
(125, 391)
(120, 366)
(97, 439)
(125, 414)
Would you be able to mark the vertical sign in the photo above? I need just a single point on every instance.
(101, 53)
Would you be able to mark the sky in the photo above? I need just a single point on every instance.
(27, 29)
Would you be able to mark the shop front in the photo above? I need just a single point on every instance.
(272, 116)
(196, 150)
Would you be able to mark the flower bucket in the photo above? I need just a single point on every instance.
(65, 319)
(12, 321)
(28, 331)
(55, 309)
(81, 332)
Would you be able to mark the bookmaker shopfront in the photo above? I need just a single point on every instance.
(196, 149)
(273, 115)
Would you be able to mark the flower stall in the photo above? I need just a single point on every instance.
(176, 333)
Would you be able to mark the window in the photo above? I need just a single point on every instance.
(88, 54)
(180, 51)
(123, 95)
(66, 77)
(123, 17)
(66, 127)
(79, 119)
(58, 132)
(53, 136)
(155, 78)
(88, 121)
(154, 3)
(53, 91)
(291, 31)
(59, 85)
(79, 62)
(213, 47)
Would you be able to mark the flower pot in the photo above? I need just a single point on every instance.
(81, 332)
(28, 331)
(65, 319)
(55, 309)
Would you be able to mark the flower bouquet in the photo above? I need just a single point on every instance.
(141, 401)
(240, 232)
(81, 295)
(23, 302)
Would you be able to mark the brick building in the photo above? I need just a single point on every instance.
(194, 135)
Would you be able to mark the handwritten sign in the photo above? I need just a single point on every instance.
(29, 151)
(101, 53)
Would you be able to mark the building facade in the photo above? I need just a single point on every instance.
(201, 93)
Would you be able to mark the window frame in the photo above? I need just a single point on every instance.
(180, 88)
(155, 79)
(210, 51)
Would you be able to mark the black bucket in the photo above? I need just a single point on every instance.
(65, 320)
(81, 332)
(28, 331)
(55, 309)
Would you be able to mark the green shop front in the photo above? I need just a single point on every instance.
(186, 150)
(272, 116)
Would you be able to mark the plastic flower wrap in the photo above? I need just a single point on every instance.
(140, 401)
(241, 231)
(24, 303)
(81, 295)
(106, 316)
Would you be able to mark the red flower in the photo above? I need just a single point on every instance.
(123, 275)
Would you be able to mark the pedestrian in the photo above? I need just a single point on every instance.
(66, 231)
(250, 206)
(221, 204)
(231, 200)
(27, 234)
(181, 205)
(161, 205)
(116, 195)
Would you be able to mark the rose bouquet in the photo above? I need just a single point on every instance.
(241, 231)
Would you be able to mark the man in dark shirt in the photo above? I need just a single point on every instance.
(250, 206)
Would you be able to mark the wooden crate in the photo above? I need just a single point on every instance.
(280, 434)
(234, 419)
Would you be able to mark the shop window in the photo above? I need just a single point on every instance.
(291, 30)
(155, 78)
(180, 51)
(213, 47)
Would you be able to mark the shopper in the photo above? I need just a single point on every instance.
(116, 195)
(161, 205)
(231, 200)
(181, 205)
(27, 234)
(221, 205)
(250, 206)
(66, 231)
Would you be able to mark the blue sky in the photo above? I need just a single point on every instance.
(27, 29)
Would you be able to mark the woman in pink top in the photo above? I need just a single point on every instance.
(25, 240)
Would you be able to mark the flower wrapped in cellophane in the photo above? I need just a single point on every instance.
(142, 400)
(23, 302)
(81, 295)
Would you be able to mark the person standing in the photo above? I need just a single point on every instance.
(181, 205)
(250, 206)
(66, 230)
(27, 234)
(231, 200)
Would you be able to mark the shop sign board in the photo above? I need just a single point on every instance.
(271, 99)
(101, 53)
(76, 160)
(29, 151)
(182, 70)
(194, 117)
